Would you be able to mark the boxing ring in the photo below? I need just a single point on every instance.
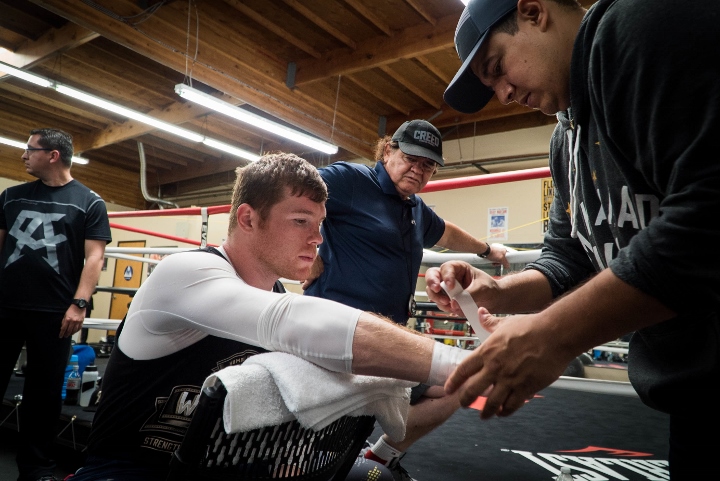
(531, 444)
(430, 258)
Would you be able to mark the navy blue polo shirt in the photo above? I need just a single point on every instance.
(373, 241)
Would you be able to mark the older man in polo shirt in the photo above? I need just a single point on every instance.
(375, 232)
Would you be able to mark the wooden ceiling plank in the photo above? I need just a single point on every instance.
(434, 69)
(128, 91)
(126, 75)
(410, 84)
(276, 29)
(156, 152)
(224, 163)
(317, 20)
(449, 117)
(420, 8)
(37, 100)
(383, 95)
(411, 42)
(370, 16)
(21, 22)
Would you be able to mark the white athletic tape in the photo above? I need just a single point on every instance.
(468, 307)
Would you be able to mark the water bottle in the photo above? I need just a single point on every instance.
(89, 379)
(72, 388)
(68, 370)
(565, 474)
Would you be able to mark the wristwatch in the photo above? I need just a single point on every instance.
(81, 303)
(487, 252)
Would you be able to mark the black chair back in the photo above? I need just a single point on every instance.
(286, 451)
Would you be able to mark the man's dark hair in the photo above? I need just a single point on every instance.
(56, 139)
(263, 184)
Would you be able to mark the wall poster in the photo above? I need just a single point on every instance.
(497, 224)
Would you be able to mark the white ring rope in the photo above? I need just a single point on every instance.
(430, 258)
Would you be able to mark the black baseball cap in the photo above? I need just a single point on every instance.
(421, 138)
(466, 93)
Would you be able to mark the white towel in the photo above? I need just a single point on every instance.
(271, 388)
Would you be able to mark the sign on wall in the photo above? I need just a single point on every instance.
(546, 199)
(497, 224)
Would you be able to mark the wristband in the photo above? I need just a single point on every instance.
(487, 252)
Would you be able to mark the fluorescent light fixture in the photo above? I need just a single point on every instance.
(13, 143)
(126, 112)
(27, 76)
(230, 149)
(255, 120)
(129, 113)
(21, 145)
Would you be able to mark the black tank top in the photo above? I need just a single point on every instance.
(146, 406)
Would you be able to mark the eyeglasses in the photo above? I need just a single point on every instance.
(427, 166)
(33, 149)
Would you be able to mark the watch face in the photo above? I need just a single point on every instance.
(81, 303)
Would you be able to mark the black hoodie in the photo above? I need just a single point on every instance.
(637, 183)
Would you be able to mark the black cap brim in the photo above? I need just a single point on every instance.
(419, 151)
(466, 93)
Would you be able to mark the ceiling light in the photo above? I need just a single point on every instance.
(230, 149)
(255, 120)
(27, 76)
(129, 113)
(22, 145)
(13, 143)
(124, 111)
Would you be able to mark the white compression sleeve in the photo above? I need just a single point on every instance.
(325, 340)
(444, 361)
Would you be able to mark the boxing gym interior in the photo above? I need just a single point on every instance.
(120, 75)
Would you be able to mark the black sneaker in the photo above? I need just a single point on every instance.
(399, 473)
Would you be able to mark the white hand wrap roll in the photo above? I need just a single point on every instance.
(445, 359)
(468, 307)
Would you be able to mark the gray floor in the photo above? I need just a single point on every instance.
(591, 432)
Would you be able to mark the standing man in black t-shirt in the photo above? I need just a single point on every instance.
(53, 233)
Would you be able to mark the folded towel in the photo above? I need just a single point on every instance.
(275, 387)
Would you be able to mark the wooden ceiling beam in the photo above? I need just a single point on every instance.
(223, 73)
(434, 69)
(384, 96)
(409, 43)
(448, 117)
(370, 16)
(410, 84)
(419, 7)
(276, 29)
(317, 20)
(247, 66)
(52, 42)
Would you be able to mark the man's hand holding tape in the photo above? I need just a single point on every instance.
(451, 286)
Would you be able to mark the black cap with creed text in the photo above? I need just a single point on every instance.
(420, 138)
